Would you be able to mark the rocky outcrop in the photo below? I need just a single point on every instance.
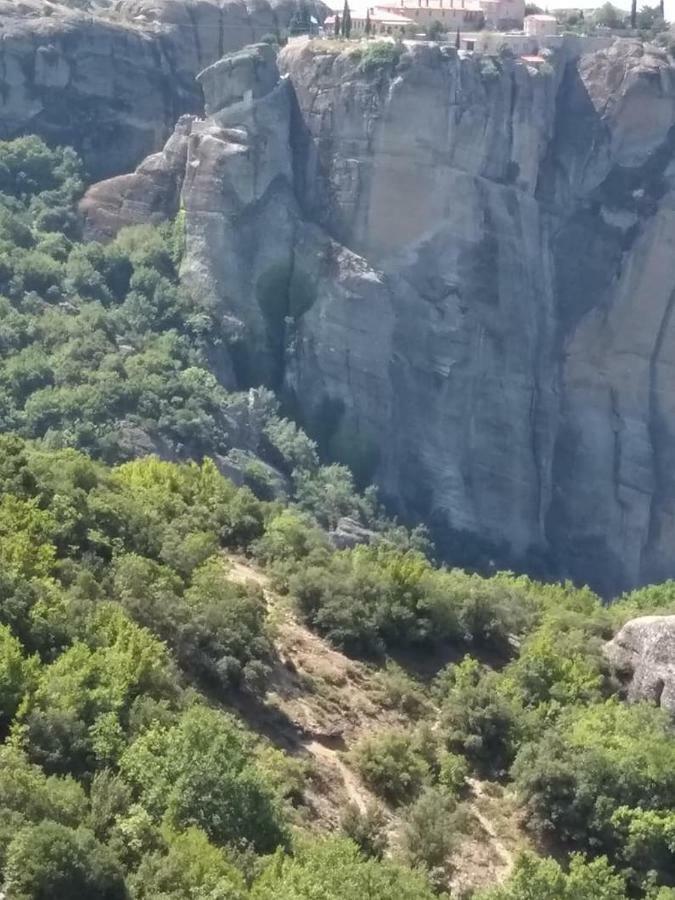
(112, 82)
(151, 194)
(642, 656)
(459, 272)
(350, 533)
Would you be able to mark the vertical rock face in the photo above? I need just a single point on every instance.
(113, 83)
(459, 272)
(526, 220)
(430, 173)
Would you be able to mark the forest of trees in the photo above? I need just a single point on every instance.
(124, 641)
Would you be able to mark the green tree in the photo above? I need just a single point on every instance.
(346, 21)
(197, 772)
(390, 766)
(367, 829)
(609, 16)
(478, 717)
(534, 878)
(301, 22)
(432, 826)
(49, 860)
(334, 869)
(190, 867)
(575, 777)
(18, 675)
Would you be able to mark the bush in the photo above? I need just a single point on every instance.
(367, 829)
(49, 860)
(453, 774)
(479, 720)
(380, 55)
(197, 773)
(190, 867)
(431, 827)
(18, 675)
(544, 879)
(577, 776)
(333, 869)
(390, 766)
(400, 691)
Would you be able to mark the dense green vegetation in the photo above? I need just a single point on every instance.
(102, 349)
(125, 643)
(116, 605)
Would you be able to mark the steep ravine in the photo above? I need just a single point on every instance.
(458, 272)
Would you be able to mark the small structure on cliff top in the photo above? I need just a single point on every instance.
(373, 20)
(394, 16)
(540, 25)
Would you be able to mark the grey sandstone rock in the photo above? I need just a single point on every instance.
(643, 656)
(460, 276)
(112, 82)
(350, 533)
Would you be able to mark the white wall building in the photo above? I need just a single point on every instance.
(540, 25)
(466, 15)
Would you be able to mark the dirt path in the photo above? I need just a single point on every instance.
(354, 789)
(318, 689)
(501, 850)
(242, 571)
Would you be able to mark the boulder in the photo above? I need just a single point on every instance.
(350, 533)
(642, 655)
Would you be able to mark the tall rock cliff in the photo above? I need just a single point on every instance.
(459, 272)
(112, 81)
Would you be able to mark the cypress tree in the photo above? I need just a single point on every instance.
(457, 40)
(346, 21)
(367, 26)
(336, 26)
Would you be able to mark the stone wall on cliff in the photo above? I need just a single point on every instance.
(458, 271)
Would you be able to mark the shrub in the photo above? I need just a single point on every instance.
(50, 860)
(197, 773)
(190, 867)
(390, 766)
(367, 829)
(431, 826)
(478, 719)
(596, 760)
(544, 879)
(380, 55)
(398, 690)
(333, 869)
(453, 774)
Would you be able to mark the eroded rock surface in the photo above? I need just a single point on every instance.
(459, 272)
(112, 82)
(643, 656)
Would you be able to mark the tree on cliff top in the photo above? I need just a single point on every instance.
(301, 22)
(609, 16)
(346, 21)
